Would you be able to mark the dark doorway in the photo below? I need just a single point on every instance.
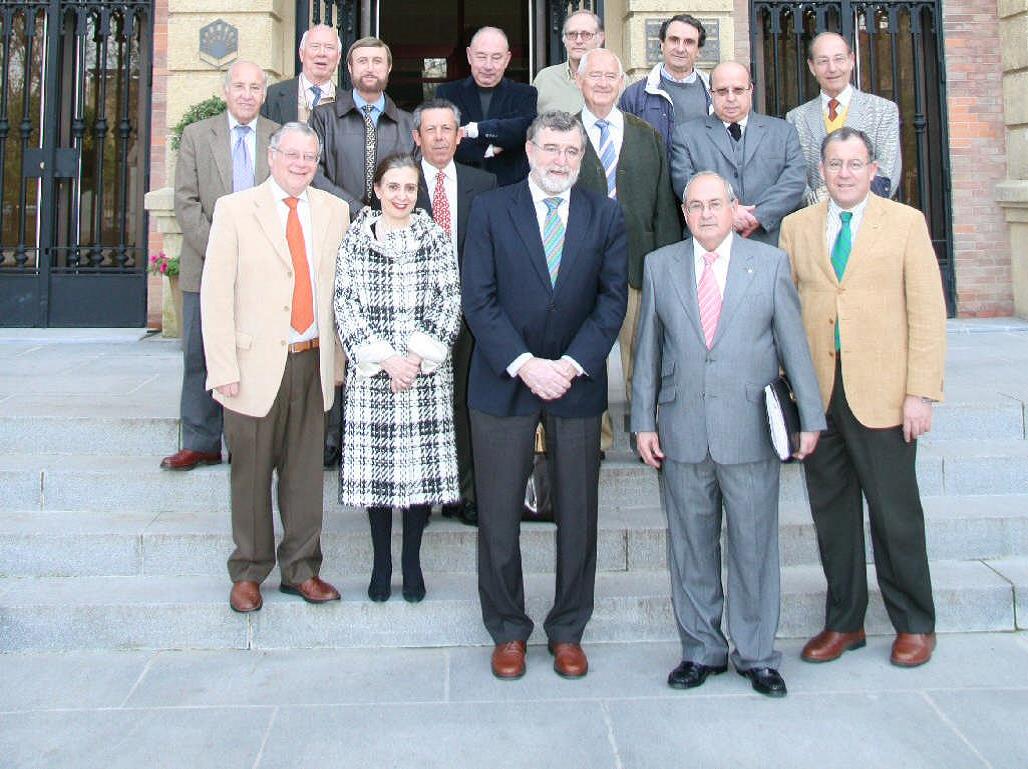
(74, 162)
(898, 46)
(428, 39)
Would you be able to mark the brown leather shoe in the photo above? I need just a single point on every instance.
(509, 660)
(912, 649)
(569, 661)
(313, 590)
(829, 645)
(245, 597)
(187, 459)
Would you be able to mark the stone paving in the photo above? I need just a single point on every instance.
(427, 708)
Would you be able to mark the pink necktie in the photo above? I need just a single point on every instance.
(709, 298)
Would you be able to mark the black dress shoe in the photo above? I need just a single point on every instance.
(332, 456)
(765, 681)
(414, 593)
(689, 675)
(452, 509)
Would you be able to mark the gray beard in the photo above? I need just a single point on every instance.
(554, 187)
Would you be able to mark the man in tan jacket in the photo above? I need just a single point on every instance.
(875, 317)
(272, 361)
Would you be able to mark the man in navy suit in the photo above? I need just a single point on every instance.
(496, 111)
(445, 191)
(544, 290)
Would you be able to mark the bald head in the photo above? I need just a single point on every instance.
(831, 62)
(731, 91)
(488, 55)
(244, 85)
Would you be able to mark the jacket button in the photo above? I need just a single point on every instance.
(286, 308)
(289, 274)
(283, 343)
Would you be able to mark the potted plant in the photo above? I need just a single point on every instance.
(167, 267)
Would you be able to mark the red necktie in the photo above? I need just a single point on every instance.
(441, 204)
(833, 109)
(303, 301)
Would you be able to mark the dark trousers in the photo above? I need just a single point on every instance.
(462, 350)
(201, 414)
(287, 441)
(504, 447)
(851, 459)
(334, 420)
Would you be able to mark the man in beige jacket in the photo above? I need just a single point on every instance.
(272, 361)
(875, 317)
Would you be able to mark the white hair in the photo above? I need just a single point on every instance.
(583, 63)
(303, 40)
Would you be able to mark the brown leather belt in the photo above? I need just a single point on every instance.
(310, 344)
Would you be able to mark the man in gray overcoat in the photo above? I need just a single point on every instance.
(719, 316)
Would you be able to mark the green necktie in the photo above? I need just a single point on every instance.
(841, 255)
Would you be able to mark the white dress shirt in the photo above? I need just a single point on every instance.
(303, 211)
(251, 140)
(833, 224)
(328, 92)
(449, 189)
(720, 265)
(538, 196)
(616, 129)
(843, 99)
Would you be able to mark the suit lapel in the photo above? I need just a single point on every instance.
(815, 120)
(578, 219)
(464, 197)
(472, 104)
(740, 275)
(719, 136)
(865, 247)
(683, 278)
(271, 225)
(756, 130)
(220, 150)
(820, 245)
(855, 111)
(319, 219)
(264, 132)
(424, 198)
(522, 213)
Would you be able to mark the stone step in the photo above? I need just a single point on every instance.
(192, 612)
(137, 484)
(82, 543)
(110, 429)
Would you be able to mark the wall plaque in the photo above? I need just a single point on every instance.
(219, 43)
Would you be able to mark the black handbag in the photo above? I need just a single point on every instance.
(783, 418)
(538, 504)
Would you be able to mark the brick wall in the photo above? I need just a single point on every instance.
(158, 130)
(981, 248)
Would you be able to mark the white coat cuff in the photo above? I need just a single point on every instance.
(431, 351)
(370, 356)
(517, 363)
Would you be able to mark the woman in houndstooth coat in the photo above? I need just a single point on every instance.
(397, 305)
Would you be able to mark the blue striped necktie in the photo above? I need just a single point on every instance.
(242, 166)
(608, 158)
(553, 237)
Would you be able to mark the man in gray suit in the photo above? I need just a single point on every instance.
(222, 154)
(839, 104)
(719, 316)
(759, 156)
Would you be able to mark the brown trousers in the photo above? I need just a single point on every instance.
(289, 441)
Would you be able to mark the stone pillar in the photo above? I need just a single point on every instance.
(642, 20)
(160, 204)
(1012, 193)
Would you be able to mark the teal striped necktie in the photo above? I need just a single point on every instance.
(553, 237)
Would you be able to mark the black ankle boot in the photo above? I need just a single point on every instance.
(414, 520)
(381, 519)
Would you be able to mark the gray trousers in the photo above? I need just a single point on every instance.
(504, 448)
(201, 415)
(694, 496)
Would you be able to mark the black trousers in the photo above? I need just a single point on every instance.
(851, 460)
(504, 447)
(462, 350)
(202, 421)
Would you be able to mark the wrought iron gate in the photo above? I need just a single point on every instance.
(74, 161)
(898, 47)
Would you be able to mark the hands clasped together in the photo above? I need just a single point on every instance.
(548, 379)
(402, 370)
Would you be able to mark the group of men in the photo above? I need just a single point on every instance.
(560, 199)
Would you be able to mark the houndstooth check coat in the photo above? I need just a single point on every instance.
(394, 296)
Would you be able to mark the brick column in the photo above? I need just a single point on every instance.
(1012, 193)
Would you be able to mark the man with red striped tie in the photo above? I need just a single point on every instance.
(720, 316)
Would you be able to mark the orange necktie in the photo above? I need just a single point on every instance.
(833, 109)
(303, 300)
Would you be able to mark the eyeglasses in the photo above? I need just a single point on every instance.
(610, 77)
(585, 37)
(553, 150)
(292, 155)
(839, 61)
(698, 206)
(853, 166)
(735, 91)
